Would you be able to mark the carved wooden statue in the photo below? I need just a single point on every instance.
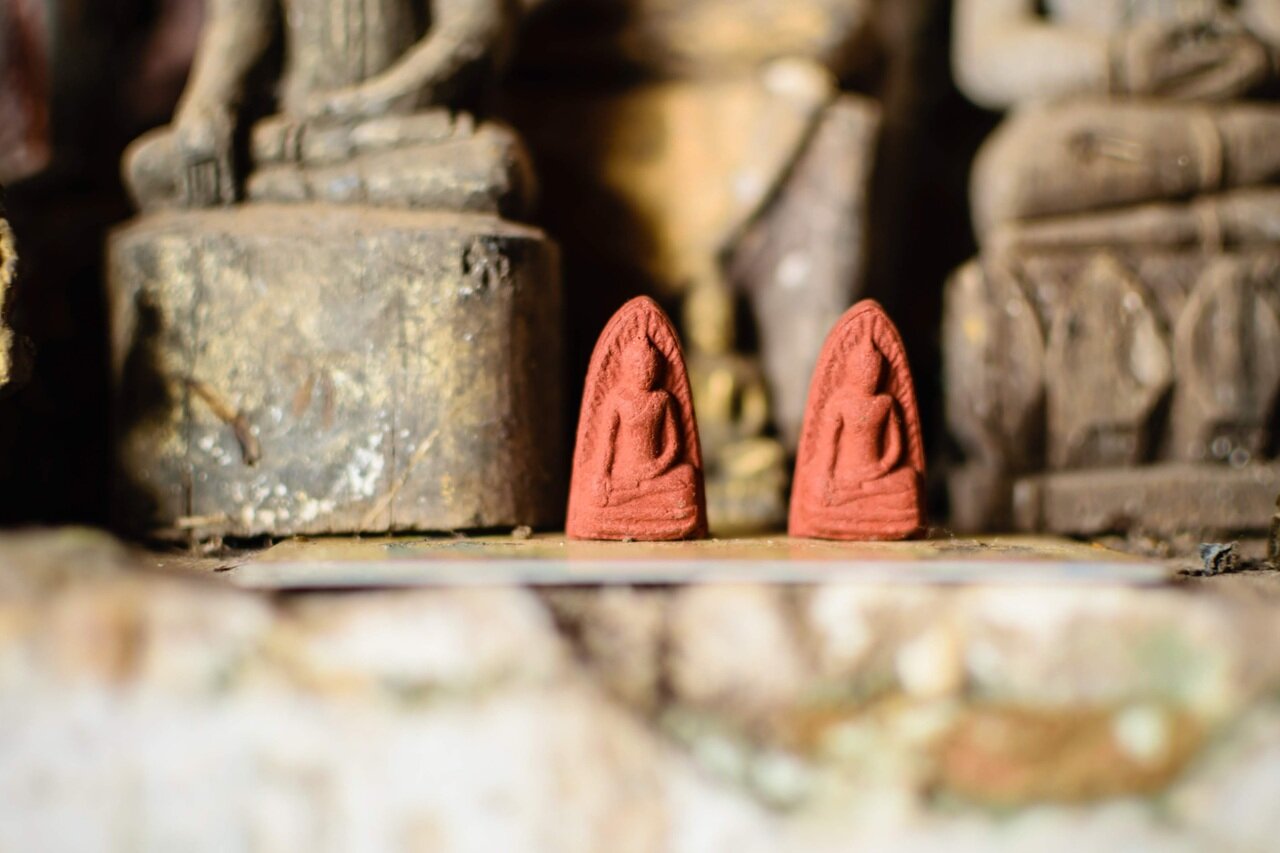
(331, 327)
(366, 114)
(715, 161)
(637, 465)
(860, 469)
(1113, 355)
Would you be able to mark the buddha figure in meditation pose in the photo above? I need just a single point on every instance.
(860, 466)
(369, 110)
(637, 470)
(375, 332)
(1113, 353)
(746, 467)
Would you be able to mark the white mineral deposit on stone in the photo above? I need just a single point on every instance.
(220, 454)
(837, 618)
(309, 508)
(261, 486)
(721, 756)
(1142, 732)
(363, 472)
(931, 665)
(984, 660)
(781, 779)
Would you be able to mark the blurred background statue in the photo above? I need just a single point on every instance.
(1112, 356)
(705, 152)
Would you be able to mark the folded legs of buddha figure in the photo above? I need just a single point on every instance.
(637, 466)
(860, 469)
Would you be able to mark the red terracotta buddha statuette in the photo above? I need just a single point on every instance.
(860, 465)
(637, 465)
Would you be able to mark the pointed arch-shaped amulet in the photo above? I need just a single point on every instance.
(637, 464)
(860, 465)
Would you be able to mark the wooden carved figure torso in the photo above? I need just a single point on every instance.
(637, 468)
(373, 108)
(861, 463)
(332, 44)
(1074, 152)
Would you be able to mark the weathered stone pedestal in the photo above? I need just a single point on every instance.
(313, 369)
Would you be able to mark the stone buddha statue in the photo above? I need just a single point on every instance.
(637, 466)
(327, 320)
(860, 468)
(1111, 355)
(367, 110)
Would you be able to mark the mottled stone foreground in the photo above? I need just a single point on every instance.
(149, 709)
